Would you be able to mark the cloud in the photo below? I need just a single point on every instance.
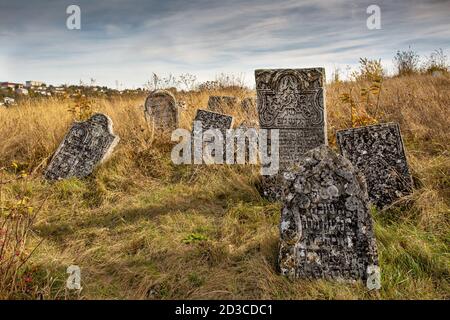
(126, 41)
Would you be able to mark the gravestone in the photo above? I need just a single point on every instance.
(326, 227)
(292, 101)
(378, 152)
(212, 120)
(221, 103)
(161, 110)
(87, 144)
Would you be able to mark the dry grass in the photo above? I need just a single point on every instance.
(143, 228)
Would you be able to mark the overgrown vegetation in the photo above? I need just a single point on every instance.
(143, 228)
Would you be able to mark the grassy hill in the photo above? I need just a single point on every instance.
(143, 228)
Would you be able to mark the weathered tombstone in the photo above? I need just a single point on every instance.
(214, 120)
(211, 120)
(87, 144)
(378, 152)
(221, 103)
(292, 101)
(326, 227)
(161, 110)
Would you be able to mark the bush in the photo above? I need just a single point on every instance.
(437, 61)
(16, 221)
(406, 62)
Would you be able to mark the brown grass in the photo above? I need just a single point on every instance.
(143, 228)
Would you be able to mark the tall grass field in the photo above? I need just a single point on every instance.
(141, 227)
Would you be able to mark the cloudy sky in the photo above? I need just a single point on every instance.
(128, 40)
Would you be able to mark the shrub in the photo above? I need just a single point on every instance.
(437, 61)
(406, 62)
(16, 221)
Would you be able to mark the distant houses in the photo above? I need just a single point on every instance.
(10, 92)
(34, 84)
(22, 91)
(10, 85)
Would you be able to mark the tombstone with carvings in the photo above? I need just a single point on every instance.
(87, 144)
(292, 101)
(379, 153)
(326, 227)
(161, 111)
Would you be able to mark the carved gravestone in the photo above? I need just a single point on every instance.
(221, 103)
(291, 100)
(86, 145)
(379, 153)
(326, 227)
(211, 120)
(161, 110)
(214, 120)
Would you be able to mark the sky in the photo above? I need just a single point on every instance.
(126, 41)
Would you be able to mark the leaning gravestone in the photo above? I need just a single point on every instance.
(86, 145)
(161, 110)
(221, 103)
(326, 227)
(292, 101)
(214, 120)
(379, 153)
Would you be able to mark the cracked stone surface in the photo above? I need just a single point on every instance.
(378, 152)
(86, 145)
(326, 228)
(161, 110)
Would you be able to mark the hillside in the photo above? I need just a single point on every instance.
(143, 228)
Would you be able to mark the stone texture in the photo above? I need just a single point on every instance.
(161, 111)
(326, 227)
(379, 153)
(291, 100)
(214, 120)
(221, 103)
(86, 145)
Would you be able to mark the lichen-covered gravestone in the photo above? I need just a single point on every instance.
(379, 153)
(161, 110)
(291, 100)
(326, 227)
(221, 103)
(86, 145)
